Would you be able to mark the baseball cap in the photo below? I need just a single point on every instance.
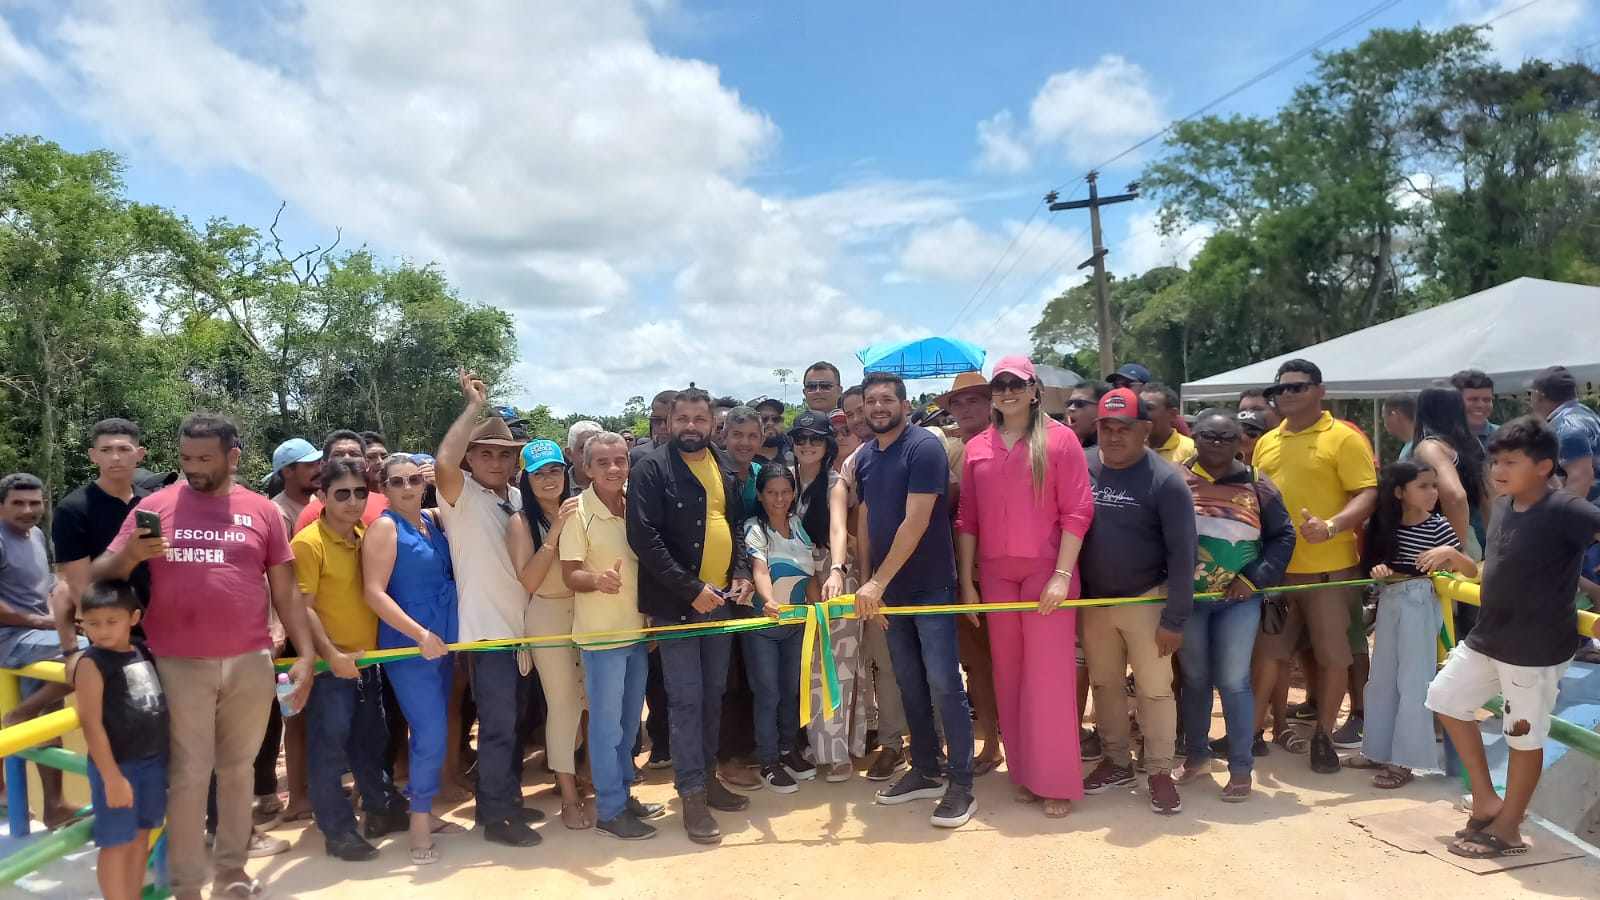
(759, 402)
(423, 459)
(294, 450)
(1131, 372)
(837, 417)
(1016, 365)
(812, 421)
(1124, 404)
(1253, 418)
(538, 454)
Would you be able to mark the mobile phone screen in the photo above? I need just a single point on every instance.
(148, 520)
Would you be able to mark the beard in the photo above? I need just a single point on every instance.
(895, 421)
(204, 482)
(689, 441)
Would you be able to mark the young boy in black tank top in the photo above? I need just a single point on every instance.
(124, 716)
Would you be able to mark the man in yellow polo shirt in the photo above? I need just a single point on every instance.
(345, 726)
(1324, 469)
(1166, 411)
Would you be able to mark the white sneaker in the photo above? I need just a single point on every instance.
(264, 845)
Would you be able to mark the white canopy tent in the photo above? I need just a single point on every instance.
(1512, 332)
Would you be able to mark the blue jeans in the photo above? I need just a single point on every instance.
(501, 693)
(614, 680)
(772, 662)
(1217, 642)
(423, 688)
(345, 728)
(926, 667)
(695, 670)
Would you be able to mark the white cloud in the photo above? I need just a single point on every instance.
(546, 154)
(1000, 148)
(1083, 116)
(1145, 247)
(1537, 29)
(961, 252)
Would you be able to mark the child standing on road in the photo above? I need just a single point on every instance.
(1525, 636)
(1405, 536)
(124, 716)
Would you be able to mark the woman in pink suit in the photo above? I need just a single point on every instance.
(1026, 503)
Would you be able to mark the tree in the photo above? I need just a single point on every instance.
(783, 376)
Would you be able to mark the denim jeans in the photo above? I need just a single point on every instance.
(1217, 642)
(345, 728)
(928, 671)
(501, 692)
(695, 670)
(772, 661)
(614, 680)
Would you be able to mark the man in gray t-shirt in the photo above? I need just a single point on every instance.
(35, 617)
(1141, 543)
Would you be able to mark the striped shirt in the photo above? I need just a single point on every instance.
(1411, 541)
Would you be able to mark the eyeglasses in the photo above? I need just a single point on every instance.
(1253, 432)
(804, 438)
(1079, 403)
(1009, 386)
(343, 495)
(506, 507)
(400, 481)
(1215, 437)
(820, 385)
(658, 420)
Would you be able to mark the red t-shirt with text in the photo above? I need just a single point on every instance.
(208, 595)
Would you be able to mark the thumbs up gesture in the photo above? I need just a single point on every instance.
(1313, 529)
(610, 581)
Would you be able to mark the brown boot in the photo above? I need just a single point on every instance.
(719, 798)
(697, 821)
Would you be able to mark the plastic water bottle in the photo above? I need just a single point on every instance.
(286, 695)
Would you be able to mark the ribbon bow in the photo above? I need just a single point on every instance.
(817, 636)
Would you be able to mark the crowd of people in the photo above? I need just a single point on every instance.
(182, 591)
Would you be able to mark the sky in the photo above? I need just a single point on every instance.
(666, 191)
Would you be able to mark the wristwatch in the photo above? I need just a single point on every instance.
(836, 567)
(1333, 528)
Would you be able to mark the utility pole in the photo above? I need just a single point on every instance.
(1102, 297)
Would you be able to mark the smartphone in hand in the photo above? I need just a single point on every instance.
(147, 520)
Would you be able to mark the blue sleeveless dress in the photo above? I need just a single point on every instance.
(423, 582)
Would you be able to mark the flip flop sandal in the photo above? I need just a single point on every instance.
(1476, 825)
(985, 766)
(1292, 741)
(1360, 761)
(1236, 793)
(1498, 848)
(425, 856)
(244, 889)
(447, 827)
(1392, 779)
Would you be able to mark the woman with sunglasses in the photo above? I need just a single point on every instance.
(835, 737)
(531, 541)
(1026, 503)
(1246, 538)
(405, 562)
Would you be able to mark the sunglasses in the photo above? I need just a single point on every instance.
(1253, 432)
(820, 385)
(399, 481)
(1215, 437)
(804, 439)
(1079, 403)
(1293, 387)
(1009, 386)
(343, 495)
(772, 420)
(658, 420)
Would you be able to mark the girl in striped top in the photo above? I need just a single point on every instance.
(1405, 536)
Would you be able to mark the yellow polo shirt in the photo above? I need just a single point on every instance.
(328, 568)
(598, 539)
(1178, 449)
(717, 558)
(1318, 469)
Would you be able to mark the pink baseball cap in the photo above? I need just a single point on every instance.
(1013, 365)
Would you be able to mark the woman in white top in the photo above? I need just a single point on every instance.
(531, 540)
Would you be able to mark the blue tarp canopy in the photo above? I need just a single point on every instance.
(925, 358)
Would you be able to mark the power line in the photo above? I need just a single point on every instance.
(975, 298)
(1510, 12)
(1002, 258)
(1263, 75)
(1072, 246)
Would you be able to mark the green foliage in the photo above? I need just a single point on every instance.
(1406, 171)
(112, 308)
